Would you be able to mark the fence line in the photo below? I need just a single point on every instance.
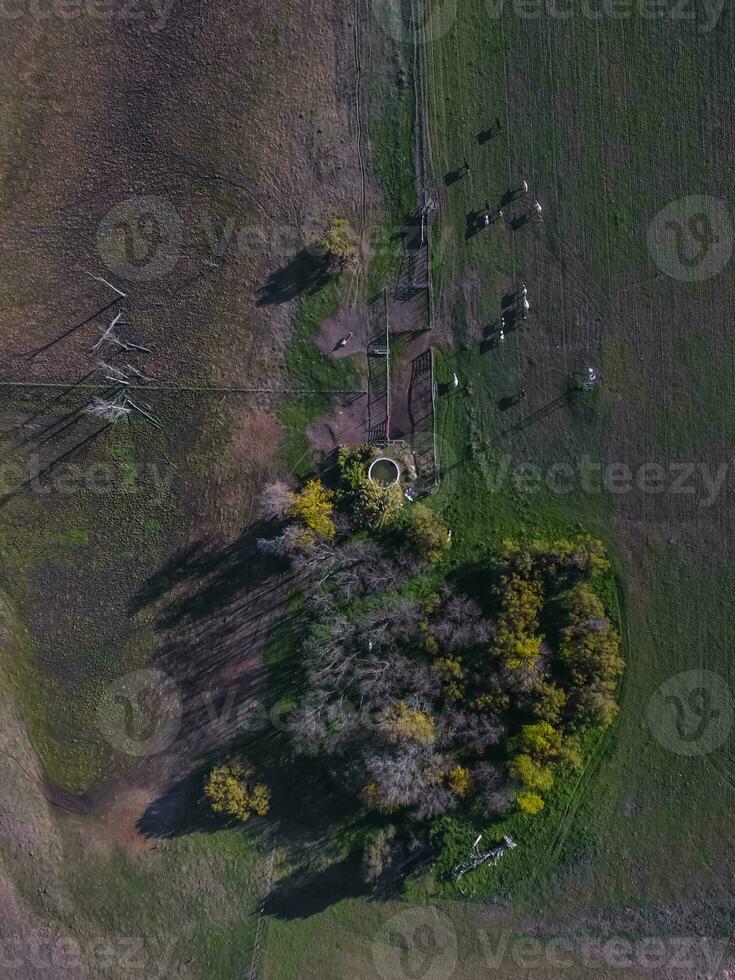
(260, 927)
(378, 353)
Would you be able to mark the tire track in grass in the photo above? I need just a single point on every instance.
(358, 33)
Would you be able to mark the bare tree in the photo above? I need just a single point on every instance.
(472, 730)
(109, 410)
(434, 801)
(109, 335)
(275, 500)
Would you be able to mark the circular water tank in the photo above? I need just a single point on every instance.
(385, 471)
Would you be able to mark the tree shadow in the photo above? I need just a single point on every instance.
(51, 469)
(30, 355)
(306, 273)
(561, 401)
(305, 893)
(179, 811)
(203, 579)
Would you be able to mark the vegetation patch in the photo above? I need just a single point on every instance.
(433, 689)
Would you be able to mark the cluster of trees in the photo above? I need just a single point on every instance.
(231, 789)
(422, 704)
(313, 517)
(559, 656)
(376, 705)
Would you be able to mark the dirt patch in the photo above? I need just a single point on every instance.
(349, 321)
(346, 425)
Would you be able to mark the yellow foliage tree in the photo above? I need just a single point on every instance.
(541, 742)
(230, 790)
(340, 243)
(313, 507)
(460, 781)
(524, 770)
(452, 675)
(401, 723)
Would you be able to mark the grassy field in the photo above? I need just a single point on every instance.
(610, 120)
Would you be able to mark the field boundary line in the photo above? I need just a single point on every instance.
(204, 389)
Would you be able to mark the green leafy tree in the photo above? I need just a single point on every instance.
(426, 532)
(377, 505)
(452, 675)
(550, 702)
(352, 462)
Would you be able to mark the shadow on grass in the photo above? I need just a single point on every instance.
(305, 893)
(224, 602)
(306, 273)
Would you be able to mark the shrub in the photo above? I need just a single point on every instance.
(529, 773)
(399, 723)
(377, 505)
(460, 781)
(231, 790)
(426, 533)
(313, 507)
(352, 464)
(529, 802)
(340, 243)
